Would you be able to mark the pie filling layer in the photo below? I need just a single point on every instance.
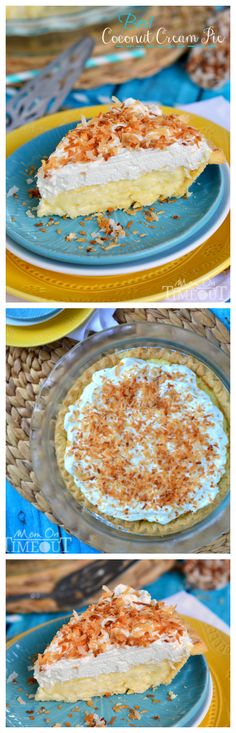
(137, 679)
(146, 442)
(129, 149)
(142, 191)
(125, 642)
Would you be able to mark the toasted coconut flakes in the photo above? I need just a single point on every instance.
(171, 695)
(12, 191)
(34, 193)
(85, 634)
(134, 714)
(93, 720)
(21, 701)
(104, 136)
(188, 194)
(70, 236)
(30, 214)
(151, 215)
(95, 234)
(97, 240)
(173, 483)
(116, 100)
(12, 677)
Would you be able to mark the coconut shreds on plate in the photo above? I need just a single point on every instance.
(12, 191)
(92, 720)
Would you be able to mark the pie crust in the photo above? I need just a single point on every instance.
(207, 380)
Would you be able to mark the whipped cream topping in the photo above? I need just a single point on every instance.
(115, 660)
(125, 163)
(144, 441)
(169, 646)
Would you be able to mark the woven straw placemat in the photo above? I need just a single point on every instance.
(28, 367)
(34, 52)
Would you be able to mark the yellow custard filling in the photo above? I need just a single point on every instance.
(142, 191)
(137, 679)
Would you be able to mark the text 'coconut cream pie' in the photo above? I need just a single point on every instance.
(142, 440)
(125, 642)
(131, 155)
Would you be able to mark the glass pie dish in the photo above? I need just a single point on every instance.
(29, 21)
(81, 521)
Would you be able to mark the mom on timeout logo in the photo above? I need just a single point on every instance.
(136, 30)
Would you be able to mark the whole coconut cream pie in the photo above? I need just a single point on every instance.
(142, 439)
(124, 642)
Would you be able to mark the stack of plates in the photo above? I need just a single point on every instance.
(30, 316)
(37, 326)
(156, 253)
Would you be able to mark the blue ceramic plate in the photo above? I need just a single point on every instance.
(206, 229)
(192, 688)
(29, 316)
(166, 238)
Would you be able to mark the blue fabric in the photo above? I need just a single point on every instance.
(217, 601)
(172, 582)
(29, 530)
(223, 314)
(171, 86)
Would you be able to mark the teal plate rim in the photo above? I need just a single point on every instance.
(192, 687)
(43, 315)
(166, 240)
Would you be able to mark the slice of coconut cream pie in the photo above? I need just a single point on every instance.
(125, 642)
(131, 155)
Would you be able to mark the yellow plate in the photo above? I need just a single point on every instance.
(218, 659)
(35, 284)
(45, 333)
